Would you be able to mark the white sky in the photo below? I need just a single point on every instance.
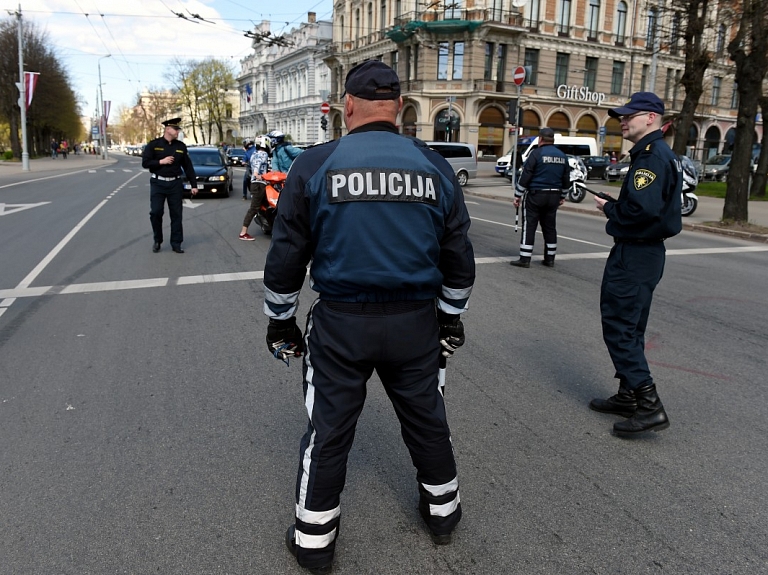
(143, 36)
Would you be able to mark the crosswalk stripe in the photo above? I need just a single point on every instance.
(258, 274)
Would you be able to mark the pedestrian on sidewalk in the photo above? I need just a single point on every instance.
(54, 149)
(646, 213)
(382, 220)
(541, 189)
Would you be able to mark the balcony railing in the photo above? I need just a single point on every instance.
(510, 17)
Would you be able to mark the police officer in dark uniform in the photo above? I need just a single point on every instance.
(382, 219)
(165, 157)
(541, 189)
(646, 213)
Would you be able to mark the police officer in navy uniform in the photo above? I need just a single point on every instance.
(165, 157)
(541, 189)
(382, 219)
(646, 213)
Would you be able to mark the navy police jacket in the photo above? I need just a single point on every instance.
(380, 216)
(545, 169)
(649, 203)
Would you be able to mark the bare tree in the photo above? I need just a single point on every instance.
(697, 59)
(749, 50)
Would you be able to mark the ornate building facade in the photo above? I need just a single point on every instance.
(283, 82)
(582, 57)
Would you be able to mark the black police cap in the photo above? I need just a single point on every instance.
(173, 123)
(372, 80)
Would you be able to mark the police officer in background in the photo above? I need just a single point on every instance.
(541, 189)
(646, 213)
(382, 219)
(165, 157)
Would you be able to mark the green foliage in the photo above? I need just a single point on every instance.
(54, 110)
(8, 155)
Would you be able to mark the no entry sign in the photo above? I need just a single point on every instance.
(519, 75)
(325, 107)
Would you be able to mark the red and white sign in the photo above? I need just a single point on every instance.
(325, 107)
(30, 81)
(519, 75)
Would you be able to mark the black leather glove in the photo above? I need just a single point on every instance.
(451, 332)
(284, 338)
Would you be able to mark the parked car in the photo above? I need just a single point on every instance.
(462, 157)
(596, 166)
(214, 175)
(236, 157)
(716, 167)
(618, 171)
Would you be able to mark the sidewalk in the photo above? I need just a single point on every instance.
(708, 210)
(44, 165)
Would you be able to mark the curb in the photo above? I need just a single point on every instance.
(761, 238)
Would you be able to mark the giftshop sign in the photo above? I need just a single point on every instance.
(580, 94)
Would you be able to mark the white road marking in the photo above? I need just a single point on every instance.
(473, 203)
(539, 232)
(6, 209)
(45, 178)
(125, 170)
(26, 291)
(31, 276)
(111, 171)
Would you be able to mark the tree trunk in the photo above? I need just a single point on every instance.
(737, 192)
(15, 136)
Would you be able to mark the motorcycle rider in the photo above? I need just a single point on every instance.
(259, 165)
(283, 153)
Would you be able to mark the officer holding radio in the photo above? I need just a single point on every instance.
(165, 158)
(645, 214)
(382, 219)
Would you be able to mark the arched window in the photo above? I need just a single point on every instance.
(409, 121)
(446, 131)
(531, 123)
(586, 126)
(621, 22)
(613, 136)
(593, 19)
(559, 122)
(711, 141)
(491, 134)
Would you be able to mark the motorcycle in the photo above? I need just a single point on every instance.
(689, 200)
(265, 217)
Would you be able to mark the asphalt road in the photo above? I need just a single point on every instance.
(146, 430)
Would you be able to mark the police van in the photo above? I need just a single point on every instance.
(571, 145)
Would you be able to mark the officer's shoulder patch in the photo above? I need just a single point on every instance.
(160, 149)
(643, 178)
(179, 151)
(648, 148)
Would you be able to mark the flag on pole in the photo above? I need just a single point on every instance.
(30, 81)
(107, 106)
(248, 92)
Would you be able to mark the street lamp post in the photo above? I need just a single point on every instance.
(102, 119)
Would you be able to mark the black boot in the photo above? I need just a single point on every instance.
(549, 261)
(521, 263)
(649, 416)
(623, 403)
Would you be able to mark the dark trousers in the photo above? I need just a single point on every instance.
(345, 343)
(161, 191)
(246, 183)
(258, 193)
(631, 274)
(539, 207)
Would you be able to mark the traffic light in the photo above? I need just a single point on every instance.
(324, 123)
(512, 110)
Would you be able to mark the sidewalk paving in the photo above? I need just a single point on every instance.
(73, 161)
(708, 210)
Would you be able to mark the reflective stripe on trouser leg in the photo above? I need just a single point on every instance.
(550, 250)
(333, 395)
(530, 223)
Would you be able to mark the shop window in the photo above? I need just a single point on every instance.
(586, 126)
(491, 132)
(711, 141)
(560, 123)
(445, 130)
(531, 123)
(409, 121)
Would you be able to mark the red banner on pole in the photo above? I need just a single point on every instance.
(107, 107)
(30, 81)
